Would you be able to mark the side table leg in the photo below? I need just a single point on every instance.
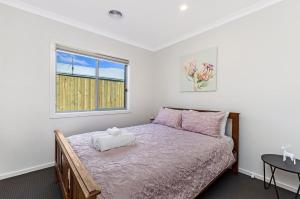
(273, 177)
(298, 187)
(265, 186)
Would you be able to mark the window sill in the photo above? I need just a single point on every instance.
(87, 114)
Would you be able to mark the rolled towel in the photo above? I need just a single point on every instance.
(114, 131)
(98, 134)
(107, 142)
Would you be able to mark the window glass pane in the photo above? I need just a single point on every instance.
(74, 64)
(111, 85)
(75, 82)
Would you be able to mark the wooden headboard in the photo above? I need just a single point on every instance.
(234, 132)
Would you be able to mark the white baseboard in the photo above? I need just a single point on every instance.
(27, 170)
(261, 177)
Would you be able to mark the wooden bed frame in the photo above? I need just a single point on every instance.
(75, 181)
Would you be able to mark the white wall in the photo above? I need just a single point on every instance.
(258, 76)
(26, 132)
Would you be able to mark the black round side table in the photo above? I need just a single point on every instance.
(276, 162)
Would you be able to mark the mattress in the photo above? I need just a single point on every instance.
(164, 163)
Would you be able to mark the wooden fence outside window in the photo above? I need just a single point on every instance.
(75, 93)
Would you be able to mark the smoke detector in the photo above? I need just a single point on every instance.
(116, 14)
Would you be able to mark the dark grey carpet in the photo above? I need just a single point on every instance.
(36, 185)
(241, 186)
(42, 185)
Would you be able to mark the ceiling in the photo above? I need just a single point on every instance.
(150, 24)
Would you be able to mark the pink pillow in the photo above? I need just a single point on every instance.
(169, 117)
(208, 123)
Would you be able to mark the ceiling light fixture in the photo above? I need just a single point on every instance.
(115, 14)
(183, 7)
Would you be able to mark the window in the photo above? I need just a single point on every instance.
(88, 82)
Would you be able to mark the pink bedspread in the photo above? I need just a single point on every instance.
(164, 163)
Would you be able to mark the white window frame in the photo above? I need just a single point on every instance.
(54, 114)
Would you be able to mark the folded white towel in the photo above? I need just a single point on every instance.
(96, 135)
(104, 142)
(114, 131)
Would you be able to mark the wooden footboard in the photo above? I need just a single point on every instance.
(73, 178)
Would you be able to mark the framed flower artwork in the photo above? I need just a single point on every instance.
(199, 71)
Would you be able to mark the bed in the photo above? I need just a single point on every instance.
(164, 163)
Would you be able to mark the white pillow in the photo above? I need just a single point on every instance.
(223, 124)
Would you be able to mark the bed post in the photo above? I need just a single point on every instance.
(235, 137)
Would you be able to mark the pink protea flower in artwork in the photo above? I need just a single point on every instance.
(202, 75)
(190, 67)
(208, 66)
(198, 74)
(205, 73)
